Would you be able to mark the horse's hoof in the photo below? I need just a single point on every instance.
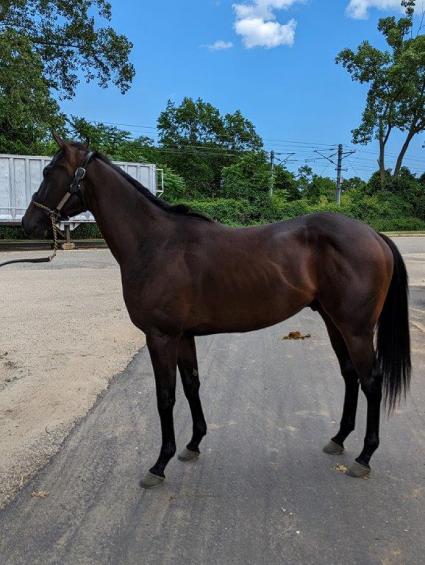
(151, 481)
(358, 470)
(333, 448)
(188, 455)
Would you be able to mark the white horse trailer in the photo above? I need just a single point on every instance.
(21, 175)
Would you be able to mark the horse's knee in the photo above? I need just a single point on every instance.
(166, 399)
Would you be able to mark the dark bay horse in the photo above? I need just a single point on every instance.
(184, 275)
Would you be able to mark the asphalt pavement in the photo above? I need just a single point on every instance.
(262, 491)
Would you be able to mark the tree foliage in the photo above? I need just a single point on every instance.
(68, 42)
(46, 47)
(26, 106)
(396, 79)
(197, 141)
(249, 178)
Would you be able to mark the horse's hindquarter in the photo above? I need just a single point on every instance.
(353, 265)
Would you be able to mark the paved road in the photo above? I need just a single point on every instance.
(262, 491)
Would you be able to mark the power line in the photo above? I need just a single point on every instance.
(279, 145)
(341, 155)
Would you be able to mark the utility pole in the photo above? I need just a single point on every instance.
(281, 161)
(339, 174)
(272, 156)
(340, 154)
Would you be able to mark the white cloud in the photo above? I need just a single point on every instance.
(257, 32)
(256, 23)
(262, 8)
(359, 9)
(220, 45)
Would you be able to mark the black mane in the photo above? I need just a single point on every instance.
(177, 209)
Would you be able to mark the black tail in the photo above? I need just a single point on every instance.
(393, 336)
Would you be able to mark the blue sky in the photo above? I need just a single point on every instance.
(272, 59)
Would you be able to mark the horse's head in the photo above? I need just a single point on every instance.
(59, 192)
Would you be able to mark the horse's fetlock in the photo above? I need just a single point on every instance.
(372, 443)
(200, 428)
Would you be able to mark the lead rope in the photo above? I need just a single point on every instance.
(53, 218)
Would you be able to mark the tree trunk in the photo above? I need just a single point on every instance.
(405, 147)
(381, 161)
(383, 138)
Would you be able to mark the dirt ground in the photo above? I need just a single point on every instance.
(64, 332)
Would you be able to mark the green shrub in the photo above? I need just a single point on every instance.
(225, 210)
(86, 231)
(381, 205)
(248, 179)
(398, 224)
(12, 232)
(174, 185)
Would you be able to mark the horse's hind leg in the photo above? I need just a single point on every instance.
(188, 367)
(336, 444)
(361, 349)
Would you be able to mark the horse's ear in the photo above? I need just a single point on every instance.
(86, 144)
(58, 139)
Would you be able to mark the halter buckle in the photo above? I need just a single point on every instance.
(80, 173)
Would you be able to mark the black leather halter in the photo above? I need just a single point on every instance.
(74, 189)
(55, 214)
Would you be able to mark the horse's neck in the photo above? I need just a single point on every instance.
(127, 219)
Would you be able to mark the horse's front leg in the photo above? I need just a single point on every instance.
(163, 352)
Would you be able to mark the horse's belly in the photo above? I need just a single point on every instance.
(247, 316)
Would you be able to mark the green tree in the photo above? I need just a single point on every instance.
(353, 183)
(197, 142)
(174, 185)
(304, 179)
(321, 188)
(116, 143)
(26, 106)
(396, 79)
(406, 186)
(119, 145)
(378, 182)
(106, 138)
(286, 183)
(68, 42)
(248, 178)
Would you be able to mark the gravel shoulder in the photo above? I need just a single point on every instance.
(65, 333)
